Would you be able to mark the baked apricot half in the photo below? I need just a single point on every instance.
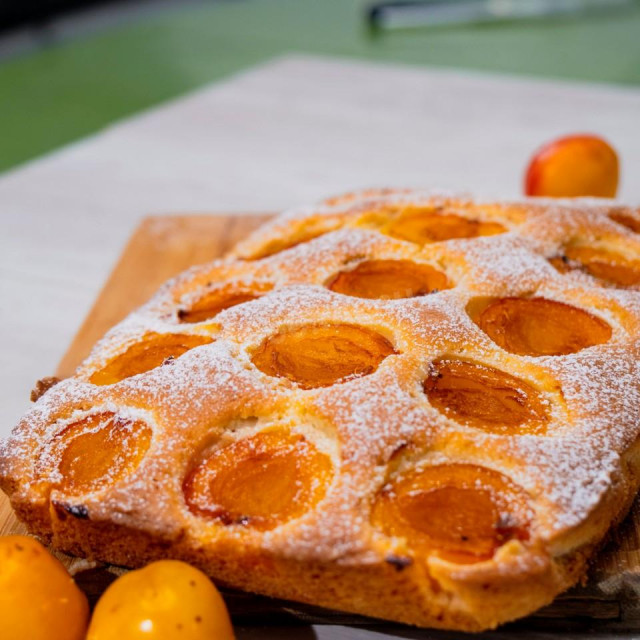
(153, 350)
(319, 355)
(540, 327)
(423, 225)
(282, 244)
(485, 398)
(259, 482)
(389, 279)
(626, 220)
(459, 512)
(218, 299)
(608, 266)
(95, 451)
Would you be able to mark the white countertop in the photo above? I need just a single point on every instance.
(283, 134)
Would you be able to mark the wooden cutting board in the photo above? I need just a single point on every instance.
(160, 248)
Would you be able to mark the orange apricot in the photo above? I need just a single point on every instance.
(458, 512)
(95, 451)
(430, 224)
(282, 244)
(573, 166)
(561, 263)
(485, 398)
(319, 355)
(604, 265)
(626, 220)
(218, 299)
(261, 481)
(389, 279)
(541, 327)
(166, 600)
(38, 598)
(153, 350)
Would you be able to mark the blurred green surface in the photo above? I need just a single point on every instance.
(69, 90)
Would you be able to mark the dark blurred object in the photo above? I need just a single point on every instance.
(436, 13)
(19, 13)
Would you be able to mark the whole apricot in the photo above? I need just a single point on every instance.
(573, 166)
(166, 600)
(38, 598)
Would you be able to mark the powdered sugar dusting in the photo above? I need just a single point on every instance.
(190, 402)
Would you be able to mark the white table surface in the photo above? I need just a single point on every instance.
(283, 134)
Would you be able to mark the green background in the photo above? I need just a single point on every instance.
(68, 90)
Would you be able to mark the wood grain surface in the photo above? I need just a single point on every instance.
(160, 248)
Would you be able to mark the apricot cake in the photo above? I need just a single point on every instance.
(402, 404)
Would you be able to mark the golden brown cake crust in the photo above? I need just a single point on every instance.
(169, 388)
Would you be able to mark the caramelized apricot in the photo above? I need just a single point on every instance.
(605, 265)
(389, 279)
(97, 450)
(561, 263)
(485, 398)
(319, 355)
(282, 244)
(626, 220)
(429, 224)
(152, 351)
(219, 299)
(261, 481)
(459, 512)
(541, 327)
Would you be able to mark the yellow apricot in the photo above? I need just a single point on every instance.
(166, 600)
(38, 598)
